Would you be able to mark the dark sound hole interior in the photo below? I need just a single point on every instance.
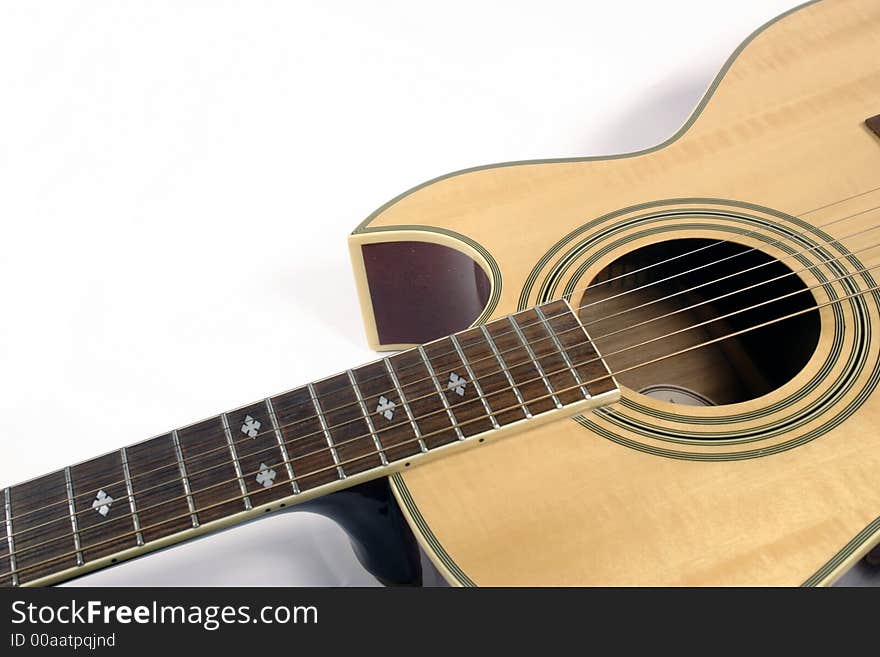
(693, 289)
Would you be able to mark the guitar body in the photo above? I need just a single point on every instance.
(775, 480)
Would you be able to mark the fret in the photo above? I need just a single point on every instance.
(579, 348)
(364, 419)
(546, 332)
(235, 463)
(190, 502)
(444, 400)
(534, 359)
(474, 380)
(347, 424)
(406, 406)
(129, 491)
(210, 470)
(43, 541)
(8, 575)
(69, 486)
(325, 428)
(101, 507)
(158, 482)
(262, 461)
(367, 418)
(305, 439)
(505, 371)
(399, 437)
(283, 449)
(491, 379)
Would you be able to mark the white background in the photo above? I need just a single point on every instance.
(177, 180)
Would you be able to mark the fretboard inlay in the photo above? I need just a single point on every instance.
(456, 384)
(102, 503)
(385, 408)
(251, 426)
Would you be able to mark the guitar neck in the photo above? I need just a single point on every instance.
(367, 422)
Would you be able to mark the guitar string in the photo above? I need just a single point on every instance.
(592, 286)
(439, 411)
(174, 466)
(722, 296)
(16, 553)
(627, 274)
(715, 262)
(719, 242)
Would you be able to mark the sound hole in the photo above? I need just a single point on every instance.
(701, 282)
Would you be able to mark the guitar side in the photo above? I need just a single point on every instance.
(780, 135)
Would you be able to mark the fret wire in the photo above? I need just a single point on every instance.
(326, 430)
(522, 338)
(603, 377)
(72, 510)
(406, 408)
(440, 394)
(281, 446)
(477, 387)
(456, 425)
(235, 463)
(509, 378)
(458, 350)
(184, 479)
(369, 420)
(129, 490)
(561, 349)
(234, 499)
(10, 544)
(464, 360)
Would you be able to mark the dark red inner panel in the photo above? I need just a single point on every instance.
(421, 291)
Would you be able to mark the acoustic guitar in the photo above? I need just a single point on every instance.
(668, 360)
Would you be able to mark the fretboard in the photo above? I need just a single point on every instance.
(368, 422)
